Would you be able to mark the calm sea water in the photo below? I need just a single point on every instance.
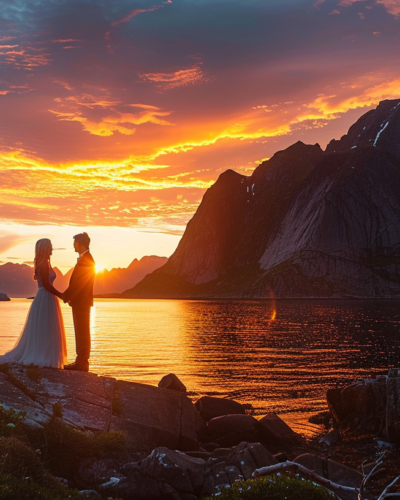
(278, 356)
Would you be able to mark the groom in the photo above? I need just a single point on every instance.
(79, 296)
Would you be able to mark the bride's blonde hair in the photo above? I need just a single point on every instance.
(42, 253)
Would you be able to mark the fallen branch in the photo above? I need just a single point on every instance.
(338, 489)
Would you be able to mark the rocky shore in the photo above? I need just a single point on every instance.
(161, 445)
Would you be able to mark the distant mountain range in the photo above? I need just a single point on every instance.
(306, 223)
(16, 280)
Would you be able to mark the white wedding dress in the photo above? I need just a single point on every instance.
(42, 341)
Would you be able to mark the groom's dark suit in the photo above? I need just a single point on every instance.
(79, 295)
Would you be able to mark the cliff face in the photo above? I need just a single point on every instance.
(306, 223)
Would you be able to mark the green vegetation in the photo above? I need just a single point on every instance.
(10, 421)
(23, 476)
(62, 447)
(33, 373)
(275, 488)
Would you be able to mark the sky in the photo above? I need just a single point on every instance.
(117, 115)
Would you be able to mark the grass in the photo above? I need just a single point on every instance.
(274, 488)
(23, 476)
(62, 447)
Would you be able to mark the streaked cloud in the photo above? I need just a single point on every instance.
(134, 13)
(177, 78)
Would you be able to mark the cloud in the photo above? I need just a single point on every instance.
(80, 109)
(178, 78)
(392, 6)
(134, 13)
(9, 239)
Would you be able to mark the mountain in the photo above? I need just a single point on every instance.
(16, 280)
(306, 223)
(119, 279)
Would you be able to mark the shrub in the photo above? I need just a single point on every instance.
(10, 421)
(274, 488)
(62, 447)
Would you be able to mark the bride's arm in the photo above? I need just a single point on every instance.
(44, 274)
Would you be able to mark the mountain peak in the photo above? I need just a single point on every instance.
(378, 127)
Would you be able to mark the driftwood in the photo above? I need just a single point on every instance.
(337, 489)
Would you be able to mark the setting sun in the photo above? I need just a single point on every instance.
(99, 268)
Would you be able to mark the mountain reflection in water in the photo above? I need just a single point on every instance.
(232, 348)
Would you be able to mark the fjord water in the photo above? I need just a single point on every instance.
(278, 356)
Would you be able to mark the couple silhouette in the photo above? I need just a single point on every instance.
(42, 341)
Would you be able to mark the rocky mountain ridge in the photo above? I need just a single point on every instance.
(307, 223)
(16, 280)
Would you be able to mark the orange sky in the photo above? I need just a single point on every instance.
(116, 119)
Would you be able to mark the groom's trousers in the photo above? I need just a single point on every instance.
(81, 317)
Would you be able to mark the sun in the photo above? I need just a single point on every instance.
(99, 268)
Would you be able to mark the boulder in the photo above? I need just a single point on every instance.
(172, 382)
(334, 471)
(185, 474)
(210, 407)
(153, 417)
(360, 406)
(392, 406)
(248, 457)
(274, 430)
(93, 473)
(230, 430)
(3, 297)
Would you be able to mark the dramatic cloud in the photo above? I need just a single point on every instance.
(122, 115)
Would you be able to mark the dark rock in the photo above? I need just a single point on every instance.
(151, 417)
(205, 455)
(248, 457)
(275, 430)
(210, 446)
(92, 472)
(185, 474)
(90, 494)
(333, 471)
(172, 382)
(210, 407)
(4, 298)
(321, 418)
(130, 469)
(331, 438)
(152, 489)
(230, 430)
(221, 452)
(281, 457)
(220, 476)
(360, 406)
(393, 406)
(233, 473)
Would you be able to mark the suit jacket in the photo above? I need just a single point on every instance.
(80, 290)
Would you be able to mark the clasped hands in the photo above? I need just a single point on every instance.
(64, 299)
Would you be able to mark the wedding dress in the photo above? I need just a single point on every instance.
(42, 341)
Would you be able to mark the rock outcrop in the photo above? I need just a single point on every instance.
(3, 297)
(368, 406)
(148, 416)
(306, 223)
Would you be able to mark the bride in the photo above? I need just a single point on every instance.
(42, 341)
